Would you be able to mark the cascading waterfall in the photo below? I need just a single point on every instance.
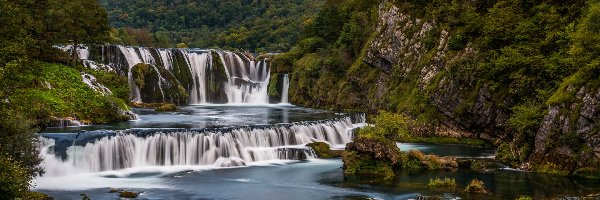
(132, 60)
(218, 147)
(198, 64)
(246, 80)
(284, 91)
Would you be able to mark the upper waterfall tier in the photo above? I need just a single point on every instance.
(203, 76)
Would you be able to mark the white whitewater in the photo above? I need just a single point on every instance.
(91, 82)
(218, 148)
(132, 59)
(248, 81)
(198, 63)
(284, 90)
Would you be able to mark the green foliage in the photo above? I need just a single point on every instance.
(258, 26)
(389, 124)
(67, 96)
(526, 118)
(18, 141)
(442, 183)
(14, 179)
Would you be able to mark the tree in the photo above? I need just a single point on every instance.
(76, 22)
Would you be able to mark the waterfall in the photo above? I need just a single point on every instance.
(224, 147)
(244, 80)
(132, 60)
(284, 91)
(248, 81)
(198, 64)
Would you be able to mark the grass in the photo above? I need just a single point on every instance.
(442, 183)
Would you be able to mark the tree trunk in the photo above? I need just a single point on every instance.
(74, 53)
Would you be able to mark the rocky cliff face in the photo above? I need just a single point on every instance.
(415, 52)
(569, 134)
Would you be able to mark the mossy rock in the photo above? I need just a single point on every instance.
(128, 194)
(587, 172)
(166, 107)
(480, 165)
(323, 150)
(158, 85)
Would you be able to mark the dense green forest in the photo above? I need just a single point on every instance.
(257, 26)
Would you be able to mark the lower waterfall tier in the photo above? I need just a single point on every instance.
(96, 151)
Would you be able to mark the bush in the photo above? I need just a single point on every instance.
(14, 179)
(442, 183)
(476, 186)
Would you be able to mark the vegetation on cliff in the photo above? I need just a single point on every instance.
(507, 71)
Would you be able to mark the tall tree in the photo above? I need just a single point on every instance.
(76, 22)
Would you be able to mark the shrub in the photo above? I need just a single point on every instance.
(476, 186)
(442, 183)
(14, 179)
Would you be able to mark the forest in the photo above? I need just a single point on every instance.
(256, 26)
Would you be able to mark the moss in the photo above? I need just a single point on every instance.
(551, 168)
(323, 150)
(439, 183)
(157, 84)
(166, 107)
(273, 85)
(476, 186)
